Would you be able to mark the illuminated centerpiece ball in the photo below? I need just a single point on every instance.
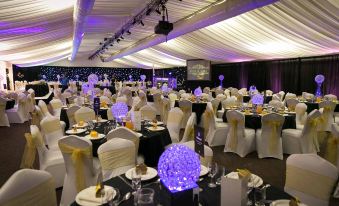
(93, 79)
(119, 110)
(221, 78)
(198, 92)
(258, 99)
(179, 168)
(319, 79)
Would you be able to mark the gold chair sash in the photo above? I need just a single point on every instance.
(320, 189)
(117, 158)
(205, 160)
(29, 154)
(186, 109)
(313, 137)
(190, 133)
(208, 117)
(324, 117)
(39, 195)
(273, 142)
(233, 143)
(332, 149)
(77, 156)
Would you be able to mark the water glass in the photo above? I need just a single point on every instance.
(145, 196)
(260, 196)
(136, 180)
(110, 200)
(223, 173)
(213, 169)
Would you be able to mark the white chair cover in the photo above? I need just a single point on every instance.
(20, 113)
(268, 138)
(29, 187)
(330, 97)
(3, 116)
(105, 99)
(166, 106)
(206, 90)
(310, 178)
(44, 108)
(116, 157)
(157, 104)
(229, 102)
(172, 97)
(52, 130)
(240, 140)
(291, 103)
(186, 108)
(71, 115)
(297, 141)
(335, 134)
(208, 152)
(56, 105)
(269, 92)
(148, 112)
(327, 112)
(175, 117)
(277, 104)
(84, 114)
(301, 114)
(81, 170)
(215, 103)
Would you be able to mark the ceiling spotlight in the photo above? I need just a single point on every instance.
(142, 23)
(128, 32)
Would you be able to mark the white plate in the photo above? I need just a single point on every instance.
(84, 125)
(101, 120)
(104, 108)
(203, 170)
(100, 136)
(283, 203)
(151, 173)
(158, 123)
(255, 180)
(87, 196)
(79, 131)
(155, 129)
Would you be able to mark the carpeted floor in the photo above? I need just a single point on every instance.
(12, 143)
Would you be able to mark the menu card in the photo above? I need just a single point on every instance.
(234, 191)
(199, 140)
(96, 105)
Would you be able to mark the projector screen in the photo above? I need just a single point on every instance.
(198, 70)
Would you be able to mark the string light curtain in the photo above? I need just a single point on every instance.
(285, 29)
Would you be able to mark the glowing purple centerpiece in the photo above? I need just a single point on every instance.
(179, 168)
(221, 78)
(198, 92)
(258, 99)
(119, 111)
(319, 79)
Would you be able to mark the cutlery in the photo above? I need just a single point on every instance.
(126, 197)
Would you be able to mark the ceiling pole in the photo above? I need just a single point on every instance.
(219, 12)
(82, 8)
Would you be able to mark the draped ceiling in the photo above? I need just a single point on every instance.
(34, 32)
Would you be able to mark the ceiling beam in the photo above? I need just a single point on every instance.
(214, 13)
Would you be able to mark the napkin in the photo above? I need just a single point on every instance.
(244, 173)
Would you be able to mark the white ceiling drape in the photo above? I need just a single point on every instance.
(285, 29)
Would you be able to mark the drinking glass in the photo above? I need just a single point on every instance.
(260, 196)
(213, 169)
(145, 196)
(109, 197)
(136, 180)
(223, 173)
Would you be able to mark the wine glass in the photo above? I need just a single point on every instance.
(213, 169)
(136, 180)
(223, 173)
(114, 201)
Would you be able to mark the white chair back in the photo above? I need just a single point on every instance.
(71, 115)
(291, 104)
(166, 106)
(206, 90)
(125, 133)
(269, 92)
(44, 108)
(236, 131)
(276, 104)
(219, 90)
(84, 114)
(301, 114)
(29, 187)
(186, 108)
(330, 97)
(52, 130)
(229, 102)
(3, 116)
(175, 116)
(105, 99)
(148, 112)
(208, 152)
(116, 157)
(215, 103)
(172, 97)
(327, 112)
(309, 139)
(310, 178)
(56, 105)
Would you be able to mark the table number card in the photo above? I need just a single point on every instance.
(233, 191)
(199, 140)
(96, 105)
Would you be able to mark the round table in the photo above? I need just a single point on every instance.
(253, 121)
(197, 107)
(10, 104)
(314, 105)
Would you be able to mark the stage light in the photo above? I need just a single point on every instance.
(142, 23)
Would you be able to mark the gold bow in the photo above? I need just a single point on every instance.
(313, 132)
(273, 143)
(332, 149)
(77, 156)
(208, 117)
(324, 116)
(185, 109)
(28, 157)
(233, 143)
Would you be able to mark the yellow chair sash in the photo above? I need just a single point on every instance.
(313, 132)
(39, 195)
(186, 109)
(205, 160)
(320, 189)
(77, 156)
(28, 157)
(324, 117)
(190, 133)
(117, 158)
(273, 142)
(332, 149)
(233, 143)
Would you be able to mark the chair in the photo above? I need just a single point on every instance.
(142, 101)
(50, 160)
(206, 90)
(291, 104)
(186, 108)
(148, 112)
(81, 170)
(189, 129)
(3, 116)
(269, 92)
(277, 104)
(307, 95)
(268, 139)
(290, 96)
(219, 90)
(79, 101)
(208, 153)
(116, 156)
(105, 99)
(157, 104)
(296, 141)
(242, 91)
(215, 103)
(174, 120)
(125, 133)
(19, 114)
(71, 115)
(84, 114)
(227, 92)
(215, 132)
(52, 130)
(310, 178)
(276, 97)
(327, 115)
(221, 97)
(29, 187)
(229, 102)
(166, 106)
(31, 103)
(281, 95)
(172, 97)
(240, 140)
(301, 114)
(43, 108)
(56, 105)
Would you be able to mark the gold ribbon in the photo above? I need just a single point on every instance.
(117, 158)
(28, 157)
(77, 156)
(320, 189)
(273, 142)
(208, 117)
(166, 107)
(332, 149)
(324, 116)
(233, 143)
(186, 109)
(313, 132)
(40, 195)
(205, 160)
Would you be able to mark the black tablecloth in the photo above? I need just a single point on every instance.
(10, 104)
(313, 105)
(254, 121)
(267, 99)
(197, 107)
(46, 100)
(40, 90)
(110, 88)
(64, 117)
(207, 197)
(149, 98)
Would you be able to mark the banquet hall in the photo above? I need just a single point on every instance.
(169, 102)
